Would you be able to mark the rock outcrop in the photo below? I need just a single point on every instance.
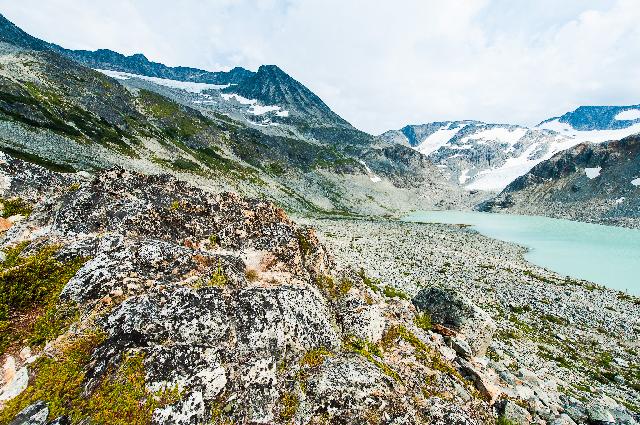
(214, 308)
(447, 308)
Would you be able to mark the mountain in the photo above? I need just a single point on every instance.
(113, 61)
(487, 157)
(590, 182)
(587, 118)
(264, 135)
(272, 86)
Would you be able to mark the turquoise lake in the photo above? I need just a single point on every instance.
(606, 255)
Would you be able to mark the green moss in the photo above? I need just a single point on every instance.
(428, 356)
(289, 403)
(371, 352)
(217, 279)
(15, 206)
(58, 381)
(121, 398)
(373, 284)
(30, 285)
(423, 321)
(504, 421)
(74, 187)
(391, 292)
(303, 241)
(332, 289)
(315, 358)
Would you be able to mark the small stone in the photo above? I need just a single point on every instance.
(25, 353)
(599, 414)
(514, 413)
(563, 419)
(5, 224)
(461, 347)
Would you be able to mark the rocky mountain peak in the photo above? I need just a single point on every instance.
(272, 86)
(586, 118)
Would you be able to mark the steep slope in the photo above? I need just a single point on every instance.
(272, 86)
(306, 158)
(589, 182)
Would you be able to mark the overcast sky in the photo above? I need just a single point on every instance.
(381, 64)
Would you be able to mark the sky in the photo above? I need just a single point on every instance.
(381, 64)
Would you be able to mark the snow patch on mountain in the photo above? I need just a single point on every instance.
(372, 177)
(594, 136)
(496, 179)
(190, 87)
(628, 115)
(255, 107)
(438, 139)
(499, 134)
(592, 173)
(636, 182)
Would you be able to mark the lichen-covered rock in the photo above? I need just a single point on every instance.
(35, 414)
(514, 413)
(229, 304)
(361, 319)
(449, 309)
(351, 390)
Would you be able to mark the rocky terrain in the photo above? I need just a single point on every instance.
(564, 351)
(597, 183)
(150, 272)
(135, 298)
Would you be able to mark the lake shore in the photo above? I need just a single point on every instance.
(578, 341)
(607, 255)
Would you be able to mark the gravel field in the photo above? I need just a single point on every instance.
(571, 340)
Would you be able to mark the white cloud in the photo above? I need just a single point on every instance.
(381, 64)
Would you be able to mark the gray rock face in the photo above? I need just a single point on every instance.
(354, 387)
(453, 311)
(36, 414)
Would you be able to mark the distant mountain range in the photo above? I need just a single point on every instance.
(264, 133)
(482, 156)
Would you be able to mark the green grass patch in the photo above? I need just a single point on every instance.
(121, 398)
(15, 206)
(423, 321)
(391, 292)
(371, 352)
(30, 287)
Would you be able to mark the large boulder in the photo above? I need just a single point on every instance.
(453, 311)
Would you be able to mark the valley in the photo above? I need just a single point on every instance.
(182, 246)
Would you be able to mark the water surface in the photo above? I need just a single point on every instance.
(606, 255)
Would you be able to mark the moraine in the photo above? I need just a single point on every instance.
(602, 254)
